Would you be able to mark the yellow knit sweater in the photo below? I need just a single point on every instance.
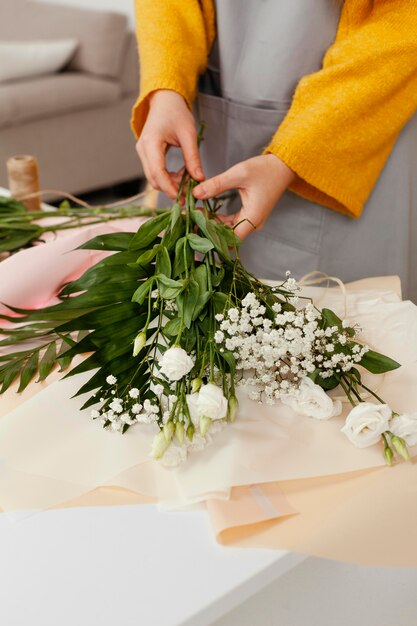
(344, 119)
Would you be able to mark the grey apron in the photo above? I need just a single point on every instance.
(262, 50)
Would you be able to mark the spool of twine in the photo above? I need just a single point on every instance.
(23, 174)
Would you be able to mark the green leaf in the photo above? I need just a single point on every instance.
(110, 241)
(163, 262)
(216, 278)
(148, 256)
(190, 302)
(378, 363)
(200, 244)
(172, 235)
(228, 234)
(47, 362)
(207, 227)
(169, 288)
(219, 300)
(172, 327)
(183, 257)
(230, 360)
(149, 231)
(200, 275)
(10, 204)
(14, 240)
(29, 371)
(142, 291)
(114, 313)
(325, 383)
(115, 274)
(201, 303)
(9, 373)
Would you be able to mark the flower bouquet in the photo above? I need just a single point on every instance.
(171, 324)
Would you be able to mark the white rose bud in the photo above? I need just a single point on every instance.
(233, 407)
(366, 422)
(205, 423)
(313, 401)
(211, 402)
(196, 384)
(405, 426)
(159, 445)
(192, 402)
(175, 363)
(140, 341)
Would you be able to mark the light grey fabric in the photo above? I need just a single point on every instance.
(101, 34)
(53, 95)
(129, 75)
(251, 77)
(77, 151)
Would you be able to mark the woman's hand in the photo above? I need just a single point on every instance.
(169, 123)
(260, 181)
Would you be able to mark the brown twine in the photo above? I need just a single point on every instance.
(23, 175)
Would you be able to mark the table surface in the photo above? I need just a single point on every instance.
(130, 565)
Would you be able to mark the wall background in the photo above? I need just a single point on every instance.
(121, 6)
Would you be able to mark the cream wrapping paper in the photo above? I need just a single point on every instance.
(52, 453)
(245, 452)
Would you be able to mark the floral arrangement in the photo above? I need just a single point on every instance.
(173, 324)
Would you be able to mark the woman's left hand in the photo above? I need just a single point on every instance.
(260, 181)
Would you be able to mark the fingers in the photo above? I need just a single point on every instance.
(230, 179)
(243, 222)
(243, 226)
(152, 155)
(188, 143)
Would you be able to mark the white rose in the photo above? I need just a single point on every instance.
(211, 402)
(175, 363)
(313, 401)
(174, 455)
(366, 422)
(405, 426)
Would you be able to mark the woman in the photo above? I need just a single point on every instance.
(313, 96)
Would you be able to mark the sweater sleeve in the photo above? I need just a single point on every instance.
(174, 39)
(344, 119)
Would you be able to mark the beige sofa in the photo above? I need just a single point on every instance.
(76, 121)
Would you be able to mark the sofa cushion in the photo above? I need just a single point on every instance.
(54, 95)
(101, 34)
(24, 59)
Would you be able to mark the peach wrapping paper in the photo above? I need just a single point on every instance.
(331, 499)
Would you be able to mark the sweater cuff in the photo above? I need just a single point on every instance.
(312, 185)
(141, 107)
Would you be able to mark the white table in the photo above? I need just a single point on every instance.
(127, 566)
